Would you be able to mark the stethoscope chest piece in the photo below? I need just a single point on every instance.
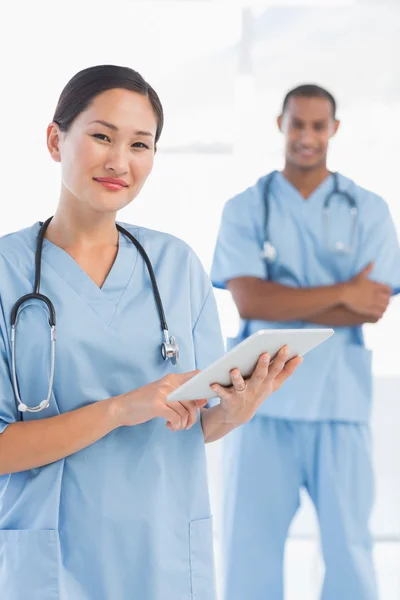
(170, 349)
(269, 252)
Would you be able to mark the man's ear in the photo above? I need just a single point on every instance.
(335, 127)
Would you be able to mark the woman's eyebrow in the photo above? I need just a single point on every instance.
(115, 128)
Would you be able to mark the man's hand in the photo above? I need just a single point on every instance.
(366, 297)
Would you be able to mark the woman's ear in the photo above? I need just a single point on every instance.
(53, 141)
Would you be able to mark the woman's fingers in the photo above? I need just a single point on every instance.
(261, 370)
(241, 403)
(187, 411)
(181, 378)
(264, 370)
(238, 382)
(183, 410)
(238, 385)
(287, 371)
(278, 363)
(201, 403)
(173, 418)
(191, 407)
(223, 392)
(177, 415)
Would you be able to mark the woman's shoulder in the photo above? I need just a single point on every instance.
(17, 244)
(174, 256)
(155, 235)
(156, 242)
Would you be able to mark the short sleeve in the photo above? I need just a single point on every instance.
(240, 240)
(8, 407)
(380, 245)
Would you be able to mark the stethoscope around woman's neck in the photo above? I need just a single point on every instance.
(169, 347)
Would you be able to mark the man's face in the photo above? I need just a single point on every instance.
(308, 125)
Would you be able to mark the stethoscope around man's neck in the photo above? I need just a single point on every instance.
(269, 252)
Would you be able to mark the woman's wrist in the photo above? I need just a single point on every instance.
(216, 423)
(114, 410)
(227, 419)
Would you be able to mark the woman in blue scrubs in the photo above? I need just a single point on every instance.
(103, 494)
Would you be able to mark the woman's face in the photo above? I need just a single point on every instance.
(113, 139)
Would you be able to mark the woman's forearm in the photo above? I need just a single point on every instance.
(31, 444)
(215, 423)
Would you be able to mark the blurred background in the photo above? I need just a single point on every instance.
(222, 70)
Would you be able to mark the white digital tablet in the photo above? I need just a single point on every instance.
(245, 356)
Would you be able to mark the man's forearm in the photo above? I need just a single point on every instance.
(270, 301)
(340, 316)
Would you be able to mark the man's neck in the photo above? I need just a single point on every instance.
(305, 181)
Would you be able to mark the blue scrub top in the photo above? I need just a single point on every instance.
(129, 516)
(334, 382)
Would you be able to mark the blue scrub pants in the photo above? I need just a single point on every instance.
(266, 463)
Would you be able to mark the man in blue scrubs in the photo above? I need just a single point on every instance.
(306, 248)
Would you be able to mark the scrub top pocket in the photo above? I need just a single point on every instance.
(29, 565)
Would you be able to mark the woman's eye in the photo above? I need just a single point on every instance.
(104, 138)
(101, 136)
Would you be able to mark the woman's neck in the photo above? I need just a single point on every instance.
(74, 225)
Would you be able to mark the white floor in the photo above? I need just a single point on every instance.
(303, 565)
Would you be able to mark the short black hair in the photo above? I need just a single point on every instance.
(310, 90)
(89, 83)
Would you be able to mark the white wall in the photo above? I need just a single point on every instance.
(188, 51)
